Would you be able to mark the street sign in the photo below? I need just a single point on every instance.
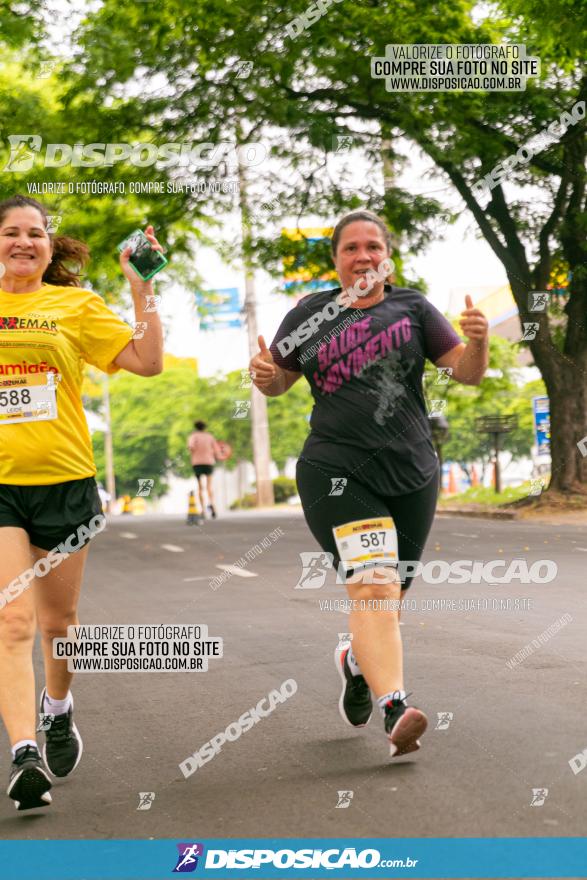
(541, 410)
(219, 309)
(220, 322)
(306, 276)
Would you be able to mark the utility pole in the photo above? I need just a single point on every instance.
(259, 420)
(387, 165)
(108, 451)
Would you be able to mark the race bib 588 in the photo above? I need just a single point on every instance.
(28, 400)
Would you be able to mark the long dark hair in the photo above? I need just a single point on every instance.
(69, 255)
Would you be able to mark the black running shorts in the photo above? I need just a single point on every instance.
(412, 514)
(50, 514)
(203, 469)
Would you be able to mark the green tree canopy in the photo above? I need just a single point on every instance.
(21, 22)
(303, 91)
(500, 393)
(152, 419)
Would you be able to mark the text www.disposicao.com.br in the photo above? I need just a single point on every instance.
(134, 664)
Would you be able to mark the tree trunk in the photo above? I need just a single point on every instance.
(565, 376)
(568, 418)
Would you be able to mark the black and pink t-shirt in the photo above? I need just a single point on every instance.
(365, 370)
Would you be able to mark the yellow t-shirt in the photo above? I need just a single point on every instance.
(55, 329)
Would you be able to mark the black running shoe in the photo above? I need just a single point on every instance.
(355, 703)
(29, 784)
(403, 725)
(212, 511)
(63, 745)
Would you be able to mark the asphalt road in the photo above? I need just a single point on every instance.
(512, 729)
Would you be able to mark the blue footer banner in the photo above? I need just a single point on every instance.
(293, 857)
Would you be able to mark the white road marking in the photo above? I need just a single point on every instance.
(241, 572)
(347, 611)
(173, 548)
(204, 577)
(460, 535)
(129, 535)
(584, 549)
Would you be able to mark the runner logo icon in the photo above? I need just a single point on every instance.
(241, 409)
(187, 860)
(146, 799)
(444, 719)
(22, 151)
(314, 567)
(537, 300)
(530, 331)
(539, 795)
(46, 719)
(344, 800)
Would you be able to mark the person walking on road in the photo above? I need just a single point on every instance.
(204, 452)
(368, 474)
(50, 327)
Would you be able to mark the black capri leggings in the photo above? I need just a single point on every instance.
(412, 514)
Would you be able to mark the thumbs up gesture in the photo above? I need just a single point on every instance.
(473, 322)
(262, 366)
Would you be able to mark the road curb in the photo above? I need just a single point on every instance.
(480, 514)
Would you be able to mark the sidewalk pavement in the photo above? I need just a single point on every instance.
(552, 515)
(478, 511)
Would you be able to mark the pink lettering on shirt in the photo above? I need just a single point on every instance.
(346, 355)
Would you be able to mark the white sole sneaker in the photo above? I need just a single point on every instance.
(75, 732)
(29, 788)
(338, 654)
(404, 737)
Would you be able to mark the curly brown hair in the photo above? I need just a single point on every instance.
(69, 255)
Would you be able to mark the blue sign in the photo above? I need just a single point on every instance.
(220, 322)
(224, 300)
(299, 858)
(541, 410)
(221, 309)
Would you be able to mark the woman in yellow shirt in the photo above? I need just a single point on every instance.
(50, 327)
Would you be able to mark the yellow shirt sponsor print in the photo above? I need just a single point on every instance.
(58, 330)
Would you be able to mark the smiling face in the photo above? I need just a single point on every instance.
(25, 246)
(361, 246)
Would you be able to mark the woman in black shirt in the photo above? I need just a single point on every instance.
(368, 473)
